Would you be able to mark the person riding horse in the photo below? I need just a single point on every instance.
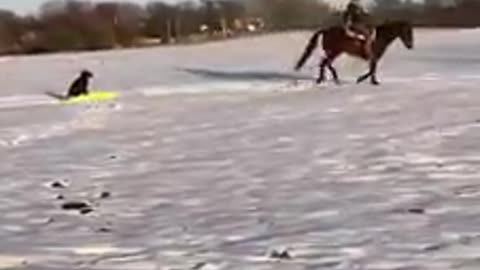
(355, 24)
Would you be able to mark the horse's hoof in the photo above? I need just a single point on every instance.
(319, 81)
(375, 83)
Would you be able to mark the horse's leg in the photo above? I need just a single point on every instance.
(321, 76)
(373, 78)
(334, 73)
(364, 77)
(370, 73)
(327, 62)
(332, 69)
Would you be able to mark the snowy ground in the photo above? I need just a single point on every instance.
(217, 154)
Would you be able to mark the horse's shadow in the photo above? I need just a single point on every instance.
(244, 75)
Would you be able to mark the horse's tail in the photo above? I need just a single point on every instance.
(312, 44)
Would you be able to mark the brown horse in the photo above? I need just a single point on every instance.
(336, 42)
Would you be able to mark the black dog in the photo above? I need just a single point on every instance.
(80, 85)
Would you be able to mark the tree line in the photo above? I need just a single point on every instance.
(64, 25)
(431, 13)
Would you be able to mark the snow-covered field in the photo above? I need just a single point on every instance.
(217, 154)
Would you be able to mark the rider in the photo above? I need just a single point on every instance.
(80, 85)
(353, 19)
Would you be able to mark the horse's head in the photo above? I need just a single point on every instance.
(406, 34)
(398, 29)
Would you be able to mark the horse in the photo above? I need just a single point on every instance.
(336, 42)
